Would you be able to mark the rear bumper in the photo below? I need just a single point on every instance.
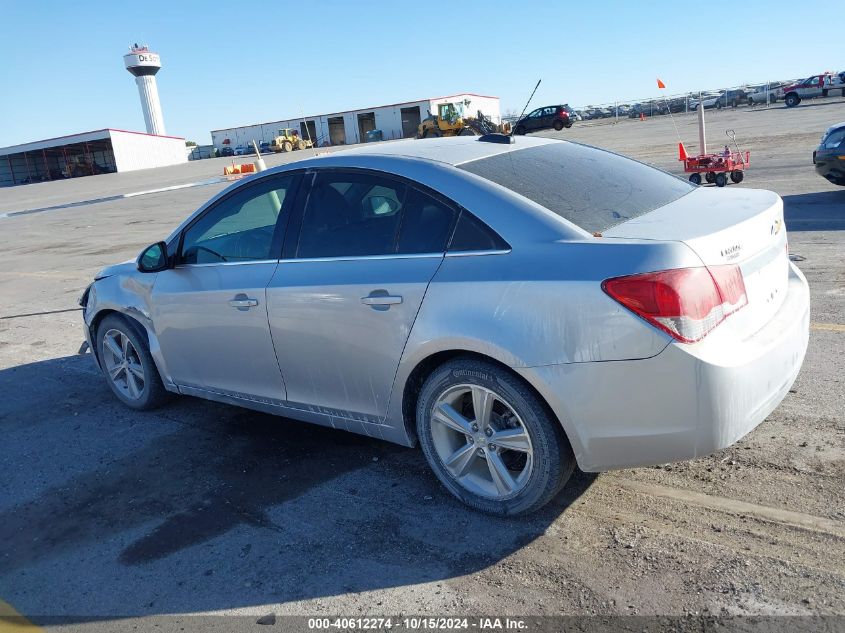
(688, 401)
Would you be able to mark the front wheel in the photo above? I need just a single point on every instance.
(710, 177)
(737, 176)
(695, 179)
(432, 133)
(287, 146)
(792, 100)
(130, 370)
(520, 130)
(721, 179)
(490, 440)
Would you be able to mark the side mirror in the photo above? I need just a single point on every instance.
(153, 258)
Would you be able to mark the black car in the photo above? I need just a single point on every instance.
(732, 98)
(829, 158)
(226, 150)
(556, 116)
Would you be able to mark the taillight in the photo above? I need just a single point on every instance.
(686, 303)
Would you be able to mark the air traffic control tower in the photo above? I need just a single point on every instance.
(144, 64)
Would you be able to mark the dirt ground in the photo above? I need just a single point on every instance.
(200, 508)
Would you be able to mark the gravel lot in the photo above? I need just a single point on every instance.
(201, 508)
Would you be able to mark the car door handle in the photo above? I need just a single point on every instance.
(381, 300)
(243, 303)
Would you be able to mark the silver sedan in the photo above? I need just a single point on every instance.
(514, 306)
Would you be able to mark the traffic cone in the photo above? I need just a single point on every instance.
(642, 116)
(682, 152)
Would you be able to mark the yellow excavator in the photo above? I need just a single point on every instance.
(451, 120)
(289, 140)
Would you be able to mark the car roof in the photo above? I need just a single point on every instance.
(455, 150)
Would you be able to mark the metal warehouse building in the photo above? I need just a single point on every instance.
(398, 120)
(86, 154)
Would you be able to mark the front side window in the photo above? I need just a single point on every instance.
(349, 215)
(239, 228)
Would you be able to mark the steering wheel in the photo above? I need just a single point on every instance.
(208, 250)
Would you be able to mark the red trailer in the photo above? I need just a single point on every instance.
(717, 167)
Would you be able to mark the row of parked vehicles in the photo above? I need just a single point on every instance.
(790, 93)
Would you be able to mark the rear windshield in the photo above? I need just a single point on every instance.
(590, 187)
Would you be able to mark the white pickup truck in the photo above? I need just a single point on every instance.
(826, 84)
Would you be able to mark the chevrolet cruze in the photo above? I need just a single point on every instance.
(514, 306)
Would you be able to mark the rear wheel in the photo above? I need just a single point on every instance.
(710, 177)
(558, 125)
(129, 368)
(721, 179)
(695, 179)
(718, 105)
(432, 133)
(737, 176)
(520, 130)
(489, 439)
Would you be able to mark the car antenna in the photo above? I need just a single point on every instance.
(527, 102)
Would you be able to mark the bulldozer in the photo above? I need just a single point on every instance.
(451, 120)
(289, 140)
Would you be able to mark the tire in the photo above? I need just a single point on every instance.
(287, 146)
(695, 178)
(734, 103)
(710, 177)
(432, 133)
(467, 131)
(520, 130)
(300, 145)
(737, 176)
(721, 179)
(151, 394)
(535, 473)
(558, 126)
(750, 102)
(792, 100)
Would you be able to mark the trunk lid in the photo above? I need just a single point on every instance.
(743, 227)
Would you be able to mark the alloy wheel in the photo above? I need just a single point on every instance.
(123, 364)
(481, 441)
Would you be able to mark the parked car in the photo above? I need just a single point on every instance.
(227, 150)
(829, 157)
(733, 98)
(768, 93)
(244, 150)
(813, 87)
(544, 118)
(515, 308)
(707, 100)
(265, 147)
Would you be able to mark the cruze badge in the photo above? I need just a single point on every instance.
(731, 252)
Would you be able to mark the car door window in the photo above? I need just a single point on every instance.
(351, 215)
(426, 224)
(239, 228)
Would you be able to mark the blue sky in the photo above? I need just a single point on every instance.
(227, 63)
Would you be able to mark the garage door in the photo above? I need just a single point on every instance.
(410, 121)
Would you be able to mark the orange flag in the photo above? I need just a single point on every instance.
(660, 84)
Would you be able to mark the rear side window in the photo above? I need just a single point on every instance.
(472, 235)
(426, 224)
(592, 188)
(351, 215)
